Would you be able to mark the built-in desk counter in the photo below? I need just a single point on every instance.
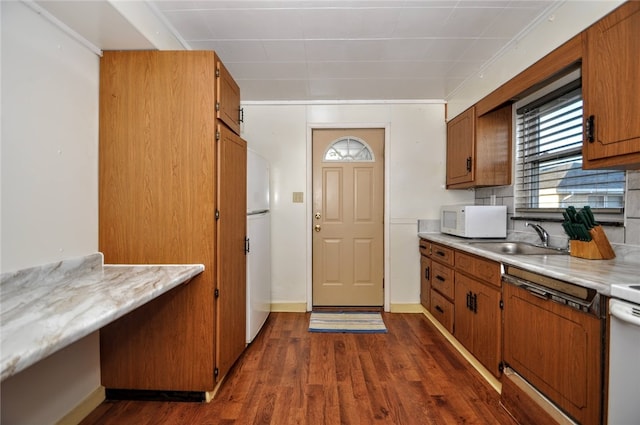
(44, 309)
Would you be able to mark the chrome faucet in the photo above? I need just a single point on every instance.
(544, 236)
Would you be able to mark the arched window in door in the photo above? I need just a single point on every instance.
(349, 149)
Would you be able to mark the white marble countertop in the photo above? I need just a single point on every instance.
(596, 274)
(43, 309)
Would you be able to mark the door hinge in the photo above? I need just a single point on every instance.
(217, 72)
(216, 293)
(216, 372)
(247, 245)
(217, 214)
(217, 136)
(501, 305)
(501, 367)
(241, 115)
(217, 106)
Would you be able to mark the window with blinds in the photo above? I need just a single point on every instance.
(549, 174)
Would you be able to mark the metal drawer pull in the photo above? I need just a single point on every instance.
(440, 278)
(439, 309)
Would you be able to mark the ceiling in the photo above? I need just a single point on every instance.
(349, 50)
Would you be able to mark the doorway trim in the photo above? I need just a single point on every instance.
(309, 220)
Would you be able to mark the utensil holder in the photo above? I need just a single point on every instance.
(598, 248)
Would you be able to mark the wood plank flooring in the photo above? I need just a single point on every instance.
(410, 375)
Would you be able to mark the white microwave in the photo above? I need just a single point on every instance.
(474, 221)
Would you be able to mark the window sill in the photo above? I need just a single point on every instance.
(611, 222)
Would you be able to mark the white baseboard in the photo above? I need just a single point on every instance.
(82, 410)
(488, 376)
(406, 308)
(289, 307)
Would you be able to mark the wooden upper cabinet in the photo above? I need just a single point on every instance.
(461, 134)
(228, 98)
(479, 149)
(611, 88)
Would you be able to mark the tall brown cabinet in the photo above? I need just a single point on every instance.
(172, 182)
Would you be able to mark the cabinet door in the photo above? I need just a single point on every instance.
(487, 340)
(231, 224)
(463, 313)
(611, 87)
(477, 320)
(460, 147)
(492, 161)
(228, 98)
(425, 281)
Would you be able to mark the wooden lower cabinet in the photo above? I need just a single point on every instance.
(465, 296)
(478, 320)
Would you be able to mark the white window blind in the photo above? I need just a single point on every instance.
(549, 172)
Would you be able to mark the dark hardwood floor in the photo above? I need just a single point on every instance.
(410, 375)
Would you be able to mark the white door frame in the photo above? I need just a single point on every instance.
(309, 221)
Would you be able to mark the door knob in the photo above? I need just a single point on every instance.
(317, 228)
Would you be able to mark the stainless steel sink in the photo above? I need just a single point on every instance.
(519, 248)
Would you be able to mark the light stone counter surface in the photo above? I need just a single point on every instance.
(596, 274)
(43, 309)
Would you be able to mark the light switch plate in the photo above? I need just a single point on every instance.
(298, 197)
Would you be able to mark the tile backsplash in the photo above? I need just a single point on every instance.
(629, 234)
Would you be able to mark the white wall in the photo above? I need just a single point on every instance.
(49, 194)
(415, 178)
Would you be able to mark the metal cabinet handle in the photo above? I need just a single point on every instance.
(590, 128)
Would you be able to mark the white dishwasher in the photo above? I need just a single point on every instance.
(624, 352)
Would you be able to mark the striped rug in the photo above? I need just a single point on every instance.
(347, 322)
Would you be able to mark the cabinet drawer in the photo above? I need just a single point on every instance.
(425, 248)
(442, 310)
(486, 270)
(442, 254)
(442, 279)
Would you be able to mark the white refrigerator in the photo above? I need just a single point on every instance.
(258, 244)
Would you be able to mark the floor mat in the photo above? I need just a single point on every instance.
(347, 322)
